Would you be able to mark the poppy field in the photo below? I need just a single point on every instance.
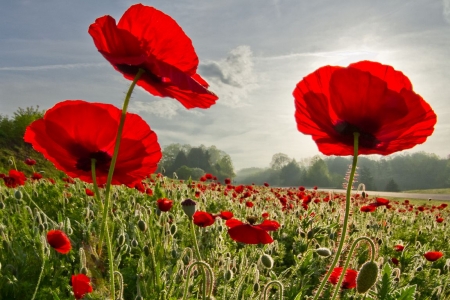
(112, 229)
(156, 255)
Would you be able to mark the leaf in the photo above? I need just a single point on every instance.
(386, 282)
(406, 293)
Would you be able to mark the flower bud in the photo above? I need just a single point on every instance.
(2, 205)
(146, 250)
(121, 240)
(18, 195)
(324, 252)
(173, 229)
(142, 225)
(367, 277)
(229, 275)
(84, 270)
(267, 261)
(256, 287)
(134, 243)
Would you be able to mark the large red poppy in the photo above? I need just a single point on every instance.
(59, 241)
(73, 132)
(147, 38)
(366, 97)
(349, 281)
(251, 234)
(81, 285)
(14, 179)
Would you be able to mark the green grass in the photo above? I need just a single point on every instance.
(429, 191)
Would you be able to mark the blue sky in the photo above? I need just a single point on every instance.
(253, 53)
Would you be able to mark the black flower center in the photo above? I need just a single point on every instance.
(132, 70)
(366, 140)
(102, 162)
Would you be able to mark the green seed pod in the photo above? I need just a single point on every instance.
(324, 252)
(2, 205)
(41, 227)
(419, 269)
(18, 195)
(173, 229)
(229, 275)
(311, 233)
(121, 240)
(146, 250)
(142, 225)
(134, 243)
(84, 270)
(174, 253)
(267, 261)
(367, 277)
(256, 287)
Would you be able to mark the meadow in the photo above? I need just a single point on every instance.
(155, 252)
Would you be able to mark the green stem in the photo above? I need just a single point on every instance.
(94, 181)
(14, 162)
(207, 272)
(346, 217)
(42, 269)
(266, 289)
(194, 237)
(347, 261)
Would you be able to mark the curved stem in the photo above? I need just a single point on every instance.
(42, 269)
(13, 162)
(266, 288)
(347, 261)
(207, 272)
(346, 217)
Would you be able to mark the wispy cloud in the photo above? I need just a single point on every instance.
(446, 12)
(54, 67)
(232, 78)
(164, 108)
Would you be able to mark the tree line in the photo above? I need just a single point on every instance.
(392, 173)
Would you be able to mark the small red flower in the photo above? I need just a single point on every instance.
(36, 176)
(249, 204)
(89, 192)
(266, 184)
(15, 179)
(203, 219)
(382, 201)
(197, 194)
(227, 180)
(59, 241)
(395, 261)
(399, 248)
(265, 215)
(251, 234)
(73, 133)
(349, 281)
(146, 38)
(30, 162)
(439, 220)
(81, 285)
(368, 208)
(225, 215)
(209, 176)
(366, 97)
(433, 255)
(164, 204)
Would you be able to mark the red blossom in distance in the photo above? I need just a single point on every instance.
(146, 38)
(433, 255)
(399, 248)
(59, 241)
(30, 162)
(164, 204)
(366, 97)
(203, 219)
(70, 141)
(349, 281)
(14, 179)
(81, 285)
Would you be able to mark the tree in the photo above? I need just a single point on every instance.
(392, 186)
(290, 174)
(366, 177)
(318, 173)
(279, 160)
(180, 160)
(185, 173)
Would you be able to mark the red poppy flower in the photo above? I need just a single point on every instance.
(36, 176)
(433, 255)
(70, 142)
(395, 261)
(439, 220)
(366, 97)
(227, 180)
(30, 162)
(14, 179)
(265, 215)
(203, 219)
(59, 241)
(349, 281)
(164, 204)
(251, 234)
(382, 201)
(225, 215)
(249, 204)
(368, 208)
(146, 38)
(89, 192)
(399, 248)
(81, 285)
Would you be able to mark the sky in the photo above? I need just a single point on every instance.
(251, 52)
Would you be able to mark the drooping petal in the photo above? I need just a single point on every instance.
(249, 234)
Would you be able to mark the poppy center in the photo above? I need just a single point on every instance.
(102, 162)
(252, 219)
(132, 70)
(366, 140)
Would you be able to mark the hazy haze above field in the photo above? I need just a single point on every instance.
(253, 53)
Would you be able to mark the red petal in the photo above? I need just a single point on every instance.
(233, 222)
(249, 234)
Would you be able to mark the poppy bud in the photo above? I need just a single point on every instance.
(84, 270)
(311, 233)
(121, 240)
(18, 195)
(419, 269)
(189, 207)
(267, 261)
(229, 275)
(146, 250)
(134, 243)
(256, 287)
(324, 252)
(142, 225)
(367, 277)
(174, 253)
(41, 227)
(173, 229)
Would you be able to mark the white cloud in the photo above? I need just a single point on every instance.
(164, 108)
(53, 67)
(446, 12)
(232, 78)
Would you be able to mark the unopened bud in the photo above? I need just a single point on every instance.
(267, 261)
(324, 252)
(18, 195)
(367, 277)
(142, 225)
(229, 275)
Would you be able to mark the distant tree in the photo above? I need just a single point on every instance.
(291, 174)
(318, 173)
(199, 158)
(13, 129)
(279, 160)
(224, 168)
(184, 172)
(180, 160)
(366, 177)
(392, 186)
